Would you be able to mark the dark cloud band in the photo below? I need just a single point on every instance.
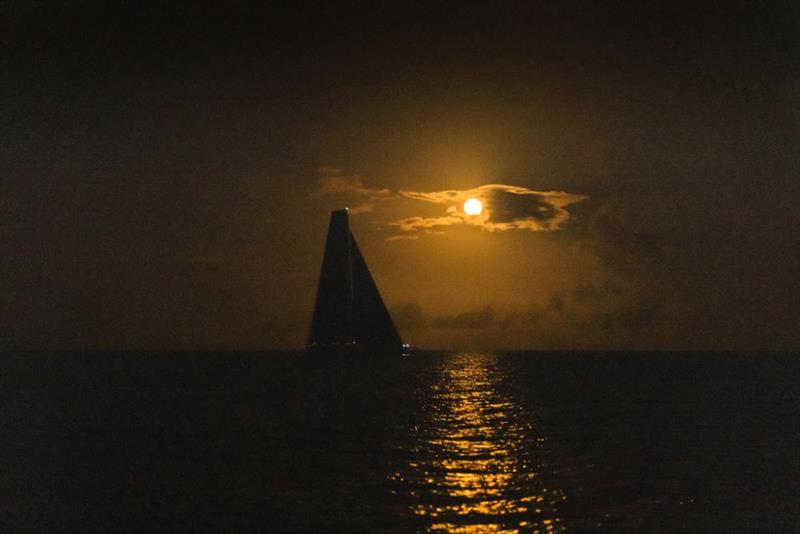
(506, 207)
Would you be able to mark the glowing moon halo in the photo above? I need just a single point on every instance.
(473, 206)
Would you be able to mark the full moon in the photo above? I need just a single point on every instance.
(473, 206)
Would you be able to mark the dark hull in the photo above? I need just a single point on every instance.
(355, 350)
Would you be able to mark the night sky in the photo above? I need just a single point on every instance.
(167, 172)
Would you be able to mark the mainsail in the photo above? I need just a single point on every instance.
(349, 312)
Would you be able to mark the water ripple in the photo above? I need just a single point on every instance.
(474, 457)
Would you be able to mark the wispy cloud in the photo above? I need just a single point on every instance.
(406, 237)
(431, 225)
(333, 180)
(506, 207)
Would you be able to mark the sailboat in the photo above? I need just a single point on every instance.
(349, 313)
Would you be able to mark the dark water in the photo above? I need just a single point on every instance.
(450, 442)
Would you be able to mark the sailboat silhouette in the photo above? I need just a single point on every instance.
(349, 314)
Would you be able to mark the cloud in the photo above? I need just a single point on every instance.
(589, 315)
(506, 207)
(623, 246)
(592, 293)
(411, 316)
(329, 170)
(431, 225)
(333, 181)
(402, 238)
(481, 318)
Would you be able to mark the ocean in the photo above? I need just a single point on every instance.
(431, 442)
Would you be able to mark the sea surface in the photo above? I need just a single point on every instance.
(431, 442)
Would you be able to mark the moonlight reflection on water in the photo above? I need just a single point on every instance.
(475, 458)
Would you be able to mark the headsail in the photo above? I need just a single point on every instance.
(349, 311)
(372, 324)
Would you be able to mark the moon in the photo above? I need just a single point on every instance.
(473, 206)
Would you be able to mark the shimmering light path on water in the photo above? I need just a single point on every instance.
(474, 456)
